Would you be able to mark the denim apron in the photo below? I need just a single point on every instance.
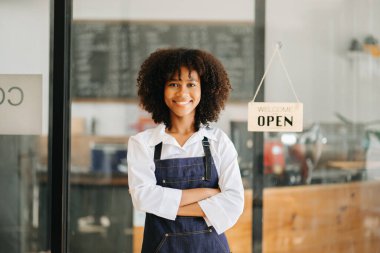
(185, 233)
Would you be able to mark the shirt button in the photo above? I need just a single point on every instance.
(210, 230)
(166, 235)
(163, 181)
(203, 178)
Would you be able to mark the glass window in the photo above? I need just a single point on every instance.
(24, 85)
(331, 51)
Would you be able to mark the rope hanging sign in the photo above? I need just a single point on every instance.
(275, 117)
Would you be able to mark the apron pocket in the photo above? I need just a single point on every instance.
(191, 242)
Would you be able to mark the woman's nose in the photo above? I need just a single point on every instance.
(183, 90)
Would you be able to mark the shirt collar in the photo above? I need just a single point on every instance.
(159, 135)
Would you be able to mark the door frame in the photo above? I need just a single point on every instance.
(59, 124)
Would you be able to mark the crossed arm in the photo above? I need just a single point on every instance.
(189, 201)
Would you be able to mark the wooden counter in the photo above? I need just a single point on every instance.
(91, 179)
(349, 165)
(337, 218)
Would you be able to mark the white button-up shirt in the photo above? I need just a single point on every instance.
(222, 210)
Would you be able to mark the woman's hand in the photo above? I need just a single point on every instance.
(191, 210)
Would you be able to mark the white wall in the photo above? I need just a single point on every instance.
(217, 10)
(316, 35)
(24, 42)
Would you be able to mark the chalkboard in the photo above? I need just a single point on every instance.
(106, 56)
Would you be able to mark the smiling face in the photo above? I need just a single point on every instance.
(182, 93)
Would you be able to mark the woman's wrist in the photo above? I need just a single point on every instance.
(213, 191)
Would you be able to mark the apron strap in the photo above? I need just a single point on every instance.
(157, 151)
(208, 158)
(206, 149)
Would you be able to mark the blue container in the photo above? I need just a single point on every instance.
(108, 157)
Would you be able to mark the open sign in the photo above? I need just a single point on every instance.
(275, 117)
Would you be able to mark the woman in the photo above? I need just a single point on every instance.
(183, 173)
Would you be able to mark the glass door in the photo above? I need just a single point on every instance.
(24, 106)
(110, 40)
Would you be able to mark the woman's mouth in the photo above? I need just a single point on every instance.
(183, 102)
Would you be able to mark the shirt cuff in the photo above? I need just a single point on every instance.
(170, 204)
(207, 222)
(215, 215)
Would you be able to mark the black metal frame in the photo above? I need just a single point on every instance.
(59, 124)
(258, 138)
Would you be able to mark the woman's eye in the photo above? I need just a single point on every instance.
(191, 85)
(173, 84)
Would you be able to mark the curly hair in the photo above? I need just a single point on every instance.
(163, 63)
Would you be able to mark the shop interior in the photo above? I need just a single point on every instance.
(319, 185)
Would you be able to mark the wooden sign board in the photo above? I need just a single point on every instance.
(275, 117)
